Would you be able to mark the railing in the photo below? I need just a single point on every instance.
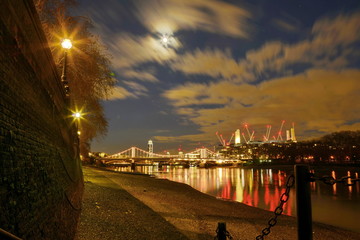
(302, 179)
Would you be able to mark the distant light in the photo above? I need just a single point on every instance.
(66, 43)
(78, 132)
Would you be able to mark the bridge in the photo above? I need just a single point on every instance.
(135, 154)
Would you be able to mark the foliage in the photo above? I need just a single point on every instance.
(343, 138)
(88, 67)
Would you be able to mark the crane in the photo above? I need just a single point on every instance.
(279, 137)
(222, 140)
(267, 134)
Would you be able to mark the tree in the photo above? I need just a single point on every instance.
(88, 68)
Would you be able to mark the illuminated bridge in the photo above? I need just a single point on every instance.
(135, 154)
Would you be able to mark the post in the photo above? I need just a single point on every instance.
(303, 202)
(221, 231)
(133, 165)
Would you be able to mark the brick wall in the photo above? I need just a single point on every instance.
(40, 171)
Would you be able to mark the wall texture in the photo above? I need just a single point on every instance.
(40, 172)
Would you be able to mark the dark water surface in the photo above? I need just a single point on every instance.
(337, 205)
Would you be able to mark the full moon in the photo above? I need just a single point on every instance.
(164, 39)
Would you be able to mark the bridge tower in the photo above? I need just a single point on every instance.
(150, 148)
(203, 153)
(133, 152)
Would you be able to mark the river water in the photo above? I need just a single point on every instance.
(337, 204)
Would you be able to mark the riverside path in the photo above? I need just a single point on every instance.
(133, 206)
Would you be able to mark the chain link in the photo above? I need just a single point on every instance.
(279, 210)
(329, 180)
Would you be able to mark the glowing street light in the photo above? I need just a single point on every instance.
(77, 115)
(66, 45)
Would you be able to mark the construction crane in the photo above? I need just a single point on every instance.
(232, 135)
(251, 136)
(279, 137)
(267, 134)
(243, 134)
(222, 140)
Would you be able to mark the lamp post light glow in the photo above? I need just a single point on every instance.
(77, 115)
(66, 44)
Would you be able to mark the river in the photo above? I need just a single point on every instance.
(337, 204)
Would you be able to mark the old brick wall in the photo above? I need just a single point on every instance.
(40, 172)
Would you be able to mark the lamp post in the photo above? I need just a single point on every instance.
(77, 117)
(66, 45)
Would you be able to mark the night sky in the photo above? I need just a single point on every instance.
(226, 64)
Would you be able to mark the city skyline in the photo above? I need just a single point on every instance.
(189, 69)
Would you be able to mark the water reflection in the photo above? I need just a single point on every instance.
(263, 188)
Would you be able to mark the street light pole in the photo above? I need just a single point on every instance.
(66, 44)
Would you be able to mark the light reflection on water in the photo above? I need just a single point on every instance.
(337, 205)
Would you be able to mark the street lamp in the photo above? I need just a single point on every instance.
(77, 116)
(66, 45)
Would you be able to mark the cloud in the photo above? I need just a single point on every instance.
(130, 50)
(215, 63)
(119, 93)
(318, 99)
(330, 45)
(137, 89)
(284, 25)
(140, 75)
(168, 16)
(343, 30)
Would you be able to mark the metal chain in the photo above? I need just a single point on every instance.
(329, 180)
(278, 211)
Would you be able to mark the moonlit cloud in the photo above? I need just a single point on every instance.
(285, 25)
(118, 93)
(329, 46)
(140, 75)
(131, 50)
(215, 63)
(343, 30)
(136, 88)
(313, 100)
(166, 16)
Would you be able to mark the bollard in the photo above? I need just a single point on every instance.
(221, 231)
(133, 166)
(303, 202)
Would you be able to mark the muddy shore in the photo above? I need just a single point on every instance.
(128, 206)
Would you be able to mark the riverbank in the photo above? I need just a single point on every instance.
(127, 206)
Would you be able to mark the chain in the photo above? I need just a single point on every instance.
(329, 180)
(278, 211)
